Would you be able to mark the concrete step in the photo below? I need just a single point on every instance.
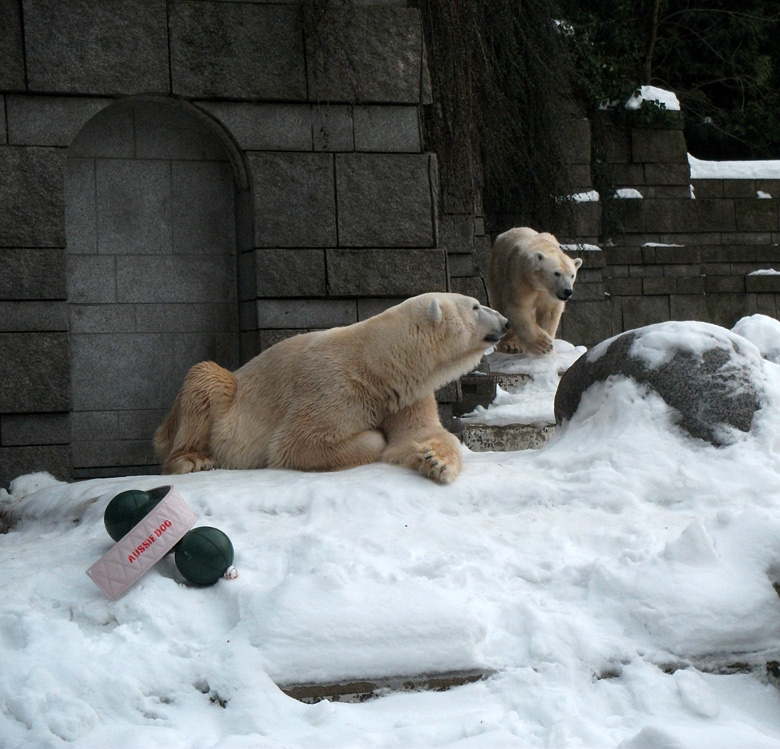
(505, 437)
(366, 689)
(512, 382)
(507, 404)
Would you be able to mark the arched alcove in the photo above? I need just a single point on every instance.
(151, 195)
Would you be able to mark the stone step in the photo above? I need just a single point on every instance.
(366, 689)
(505, 437)
(479, 388)
(512, 382)
(526, 385)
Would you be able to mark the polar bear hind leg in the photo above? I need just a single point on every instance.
(313, 452)
(183, 440)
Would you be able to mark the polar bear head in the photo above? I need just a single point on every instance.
(553, 268)
(469, 325)
(428, 341)
(440, 335)
(451, 333)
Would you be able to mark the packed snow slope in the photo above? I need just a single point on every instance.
(616, 586)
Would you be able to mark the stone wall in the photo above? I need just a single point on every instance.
(258, 170)
(686, 249)
(150, 222)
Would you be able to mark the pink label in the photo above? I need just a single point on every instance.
(143, 546)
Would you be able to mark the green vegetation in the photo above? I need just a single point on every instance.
(722, 61)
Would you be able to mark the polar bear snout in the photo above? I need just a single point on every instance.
(500, 329)
(565, 294)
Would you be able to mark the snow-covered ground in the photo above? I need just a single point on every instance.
(615, 584)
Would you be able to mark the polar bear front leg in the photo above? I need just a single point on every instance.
(532, 338)
(549, 318)
(439, 458)
(416, 439)
(509, 343)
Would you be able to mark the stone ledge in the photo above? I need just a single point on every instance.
(512, 383)
(763, 282)
(506, 437)
(478, 388)
(366, 689)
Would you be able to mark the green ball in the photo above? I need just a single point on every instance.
(128, 508)
(204, 555)
(121, 511)
(155, 497)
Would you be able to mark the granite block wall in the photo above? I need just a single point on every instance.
(683, 248)
(193, 179)
(151, 257)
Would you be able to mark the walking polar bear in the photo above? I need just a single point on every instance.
(529, 280)
(336, 398)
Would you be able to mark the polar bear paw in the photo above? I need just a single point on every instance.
(439, 461)
(509, 344)
(541, 345)
(189, 463)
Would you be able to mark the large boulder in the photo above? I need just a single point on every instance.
(710, 375)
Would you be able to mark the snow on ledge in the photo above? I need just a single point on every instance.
(585, 197)
(700, 169)
(652, 93)
(580, 247)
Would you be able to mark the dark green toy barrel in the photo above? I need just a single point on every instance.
(128, 508)
(203, 555)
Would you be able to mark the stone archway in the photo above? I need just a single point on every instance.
(150, 195)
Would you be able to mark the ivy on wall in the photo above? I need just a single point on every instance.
(720, 58)
(500, 89)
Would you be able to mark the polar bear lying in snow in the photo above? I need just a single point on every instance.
(336, 398)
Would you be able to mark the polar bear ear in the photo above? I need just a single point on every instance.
(434, 311)
(577, 262)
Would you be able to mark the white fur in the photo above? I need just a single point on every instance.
(336, 398)
(529, 279)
